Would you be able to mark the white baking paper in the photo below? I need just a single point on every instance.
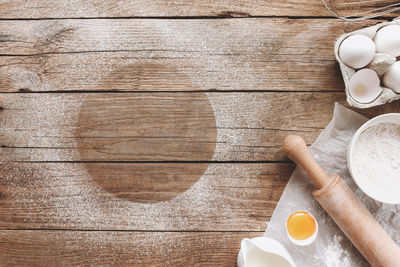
(331, 248)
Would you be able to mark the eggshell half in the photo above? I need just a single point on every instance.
(387, 40)
(357, 51)
(304, 242)
(391, 78)
(364, 86)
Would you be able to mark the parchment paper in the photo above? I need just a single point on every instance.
(331, 248)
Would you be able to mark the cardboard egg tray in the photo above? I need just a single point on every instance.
(380, 64)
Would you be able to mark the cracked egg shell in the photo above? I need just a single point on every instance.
(364, 86)
(301, 228)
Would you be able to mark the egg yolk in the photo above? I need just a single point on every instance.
(301, 225)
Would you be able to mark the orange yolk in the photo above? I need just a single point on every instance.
(301, 225)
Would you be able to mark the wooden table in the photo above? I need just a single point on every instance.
(149, 132)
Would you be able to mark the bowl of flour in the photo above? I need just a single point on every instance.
(373, 158)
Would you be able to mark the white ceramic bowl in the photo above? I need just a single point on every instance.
(391, 197)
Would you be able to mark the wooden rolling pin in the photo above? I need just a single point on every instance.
(345, 208)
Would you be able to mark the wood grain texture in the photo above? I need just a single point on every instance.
(164, 8)
(171, 55)
(158, 126)
(77, 248)
(226, 197)
(106, 171)
(161, 126)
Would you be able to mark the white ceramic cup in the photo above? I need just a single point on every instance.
(363, 183)
(263, 251)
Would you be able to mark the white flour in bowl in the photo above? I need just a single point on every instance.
(376, 160)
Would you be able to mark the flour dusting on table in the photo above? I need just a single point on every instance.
(335, 254)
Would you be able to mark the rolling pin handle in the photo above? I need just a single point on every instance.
(296, 149)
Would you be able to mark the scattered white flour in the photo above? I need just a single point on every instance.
(335, 254)
(376, 159)
(64, 195)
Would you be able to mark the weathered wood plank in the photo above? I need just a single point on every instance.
(171, 55)
(161, 126)
(209, 36)
(100, 196)
(143, 8)
(77, 248)
(158, 126)
(165, 8)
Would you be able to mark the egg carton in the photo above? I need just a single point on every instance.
(380, 64)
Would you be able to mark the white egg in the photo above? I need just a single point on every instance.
(357, 51)
(387, 40)
(391, 78)
(364, 86)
